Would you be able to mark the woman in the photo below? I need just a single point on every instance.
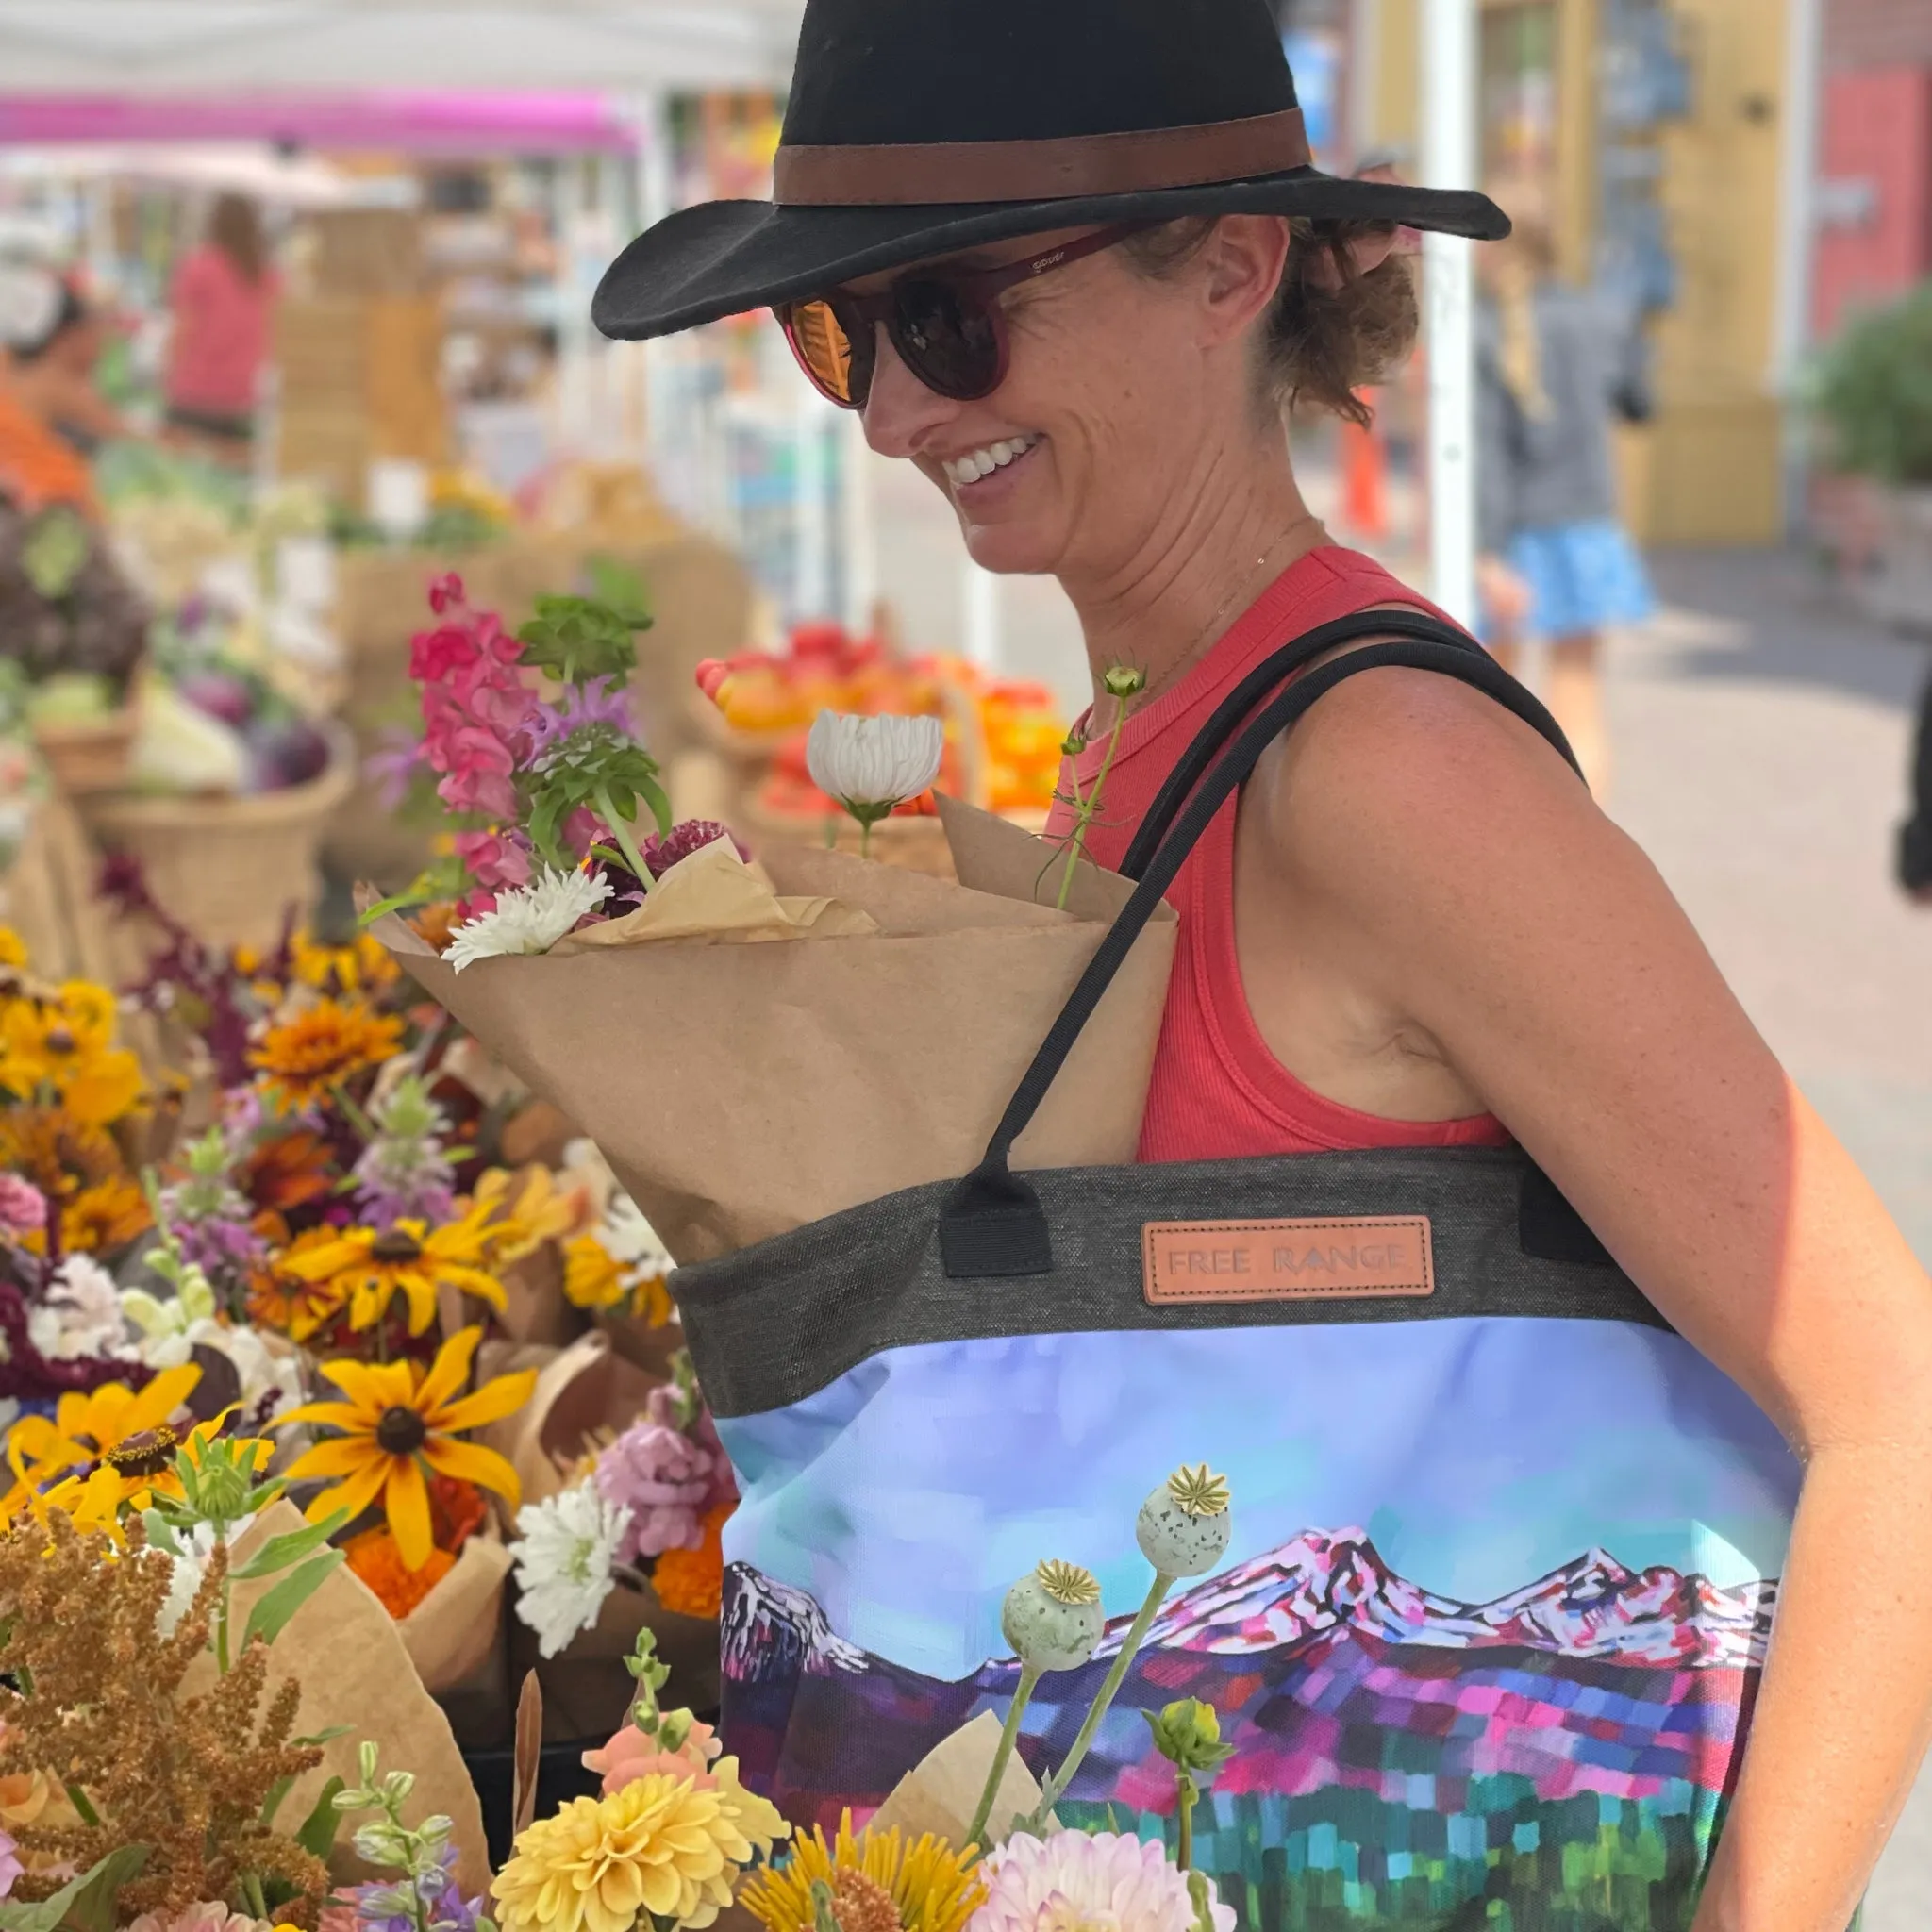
(1415, 939)
(1552, 363)
(222, 302)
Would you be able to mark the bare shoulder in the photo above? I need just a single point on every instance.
(1408, 776)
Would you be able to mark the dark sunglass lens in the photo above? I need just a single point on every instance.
(949, 342)
(838, 363)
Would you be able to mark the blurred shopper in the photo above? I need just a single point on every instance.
(50, 411)
(222, 300)
(1915, 835)
(1553, 364)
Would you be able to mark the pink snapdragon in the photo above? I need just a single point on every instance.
(630, 1755)
(496, 858)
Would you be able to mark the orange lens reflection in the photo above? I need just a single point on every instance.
(824, 347)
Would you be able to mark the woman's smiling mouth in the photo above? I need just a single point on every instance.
(977, 465)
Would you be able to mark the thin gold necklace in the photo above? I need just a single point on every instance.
(1212, 631)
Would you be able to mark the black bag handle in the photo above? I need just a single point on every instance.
(992, 1223)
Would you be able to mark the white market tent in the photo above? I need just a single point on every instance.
(202, 46)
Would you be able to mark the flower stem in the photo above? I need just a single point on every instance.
(620, 830)
(1057, 1783)
(251, 1886)
(1029, 1676)
(221, 1609)
(1190, 1795)
(78, 1799)
(1086, 809)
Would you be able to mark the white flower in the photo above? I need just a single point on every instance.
(81, 1314)
(1078, 1881)
(564, 1556)
(191, 1566)
(871, 764)
(528, 919)
(29, 303)
(629, 1240)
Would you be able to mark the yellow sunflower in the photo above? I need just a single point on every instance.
(105, 1217)
(12, 951)
(592, 1278)
(932, 1886)
(278, 1298)
(369, 1268)
(530, 1209)
(93, 1427)
(68, 1044)
(362, 966)
(308, 1056)
(398, 1417)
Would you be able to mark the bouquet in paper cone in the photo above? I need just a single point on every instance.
(752, 1044)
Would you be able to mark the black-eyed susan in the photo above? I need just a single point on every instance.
(397, 1418)
(363, 965)
(104, 1218)
(92, 1428)
(369, 1267)
(65, 1046)
(307, 1056)
(290, 1303)
(932, 1886)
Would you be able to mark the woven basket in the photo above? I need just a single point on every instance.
(88, 757)
(228, 868)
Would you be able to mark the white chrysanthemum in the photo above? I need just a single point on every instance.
(1078, 1881)
(528, 919)
(874, 763)
(81, 1315)
(564, 1556)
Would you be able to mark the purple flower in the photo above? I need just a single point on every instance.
(11, 1867)
(662, 850)
(220, 1248)
(393, 764)
(604, 703)
(664, 1479)
(381, 1908)
(663, 1406)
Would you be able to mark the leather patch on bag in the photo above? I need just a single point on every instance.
(1288, 1261)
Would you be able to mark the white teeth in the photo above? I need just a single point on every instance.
(983, 462)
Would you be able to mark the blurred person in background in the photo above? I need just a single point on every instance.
(1553, 364)
(1915, 835)
(222, 302)
(51, 414)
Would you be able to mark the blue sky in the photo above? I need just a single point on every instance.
(1480, 1455)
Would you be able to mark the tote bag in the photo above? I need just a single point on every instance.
(1505, 1547)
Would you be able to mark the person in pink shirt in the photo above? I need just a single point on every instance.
(223, 301)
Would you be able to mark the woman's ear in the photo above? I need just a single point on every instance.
(1243, 260)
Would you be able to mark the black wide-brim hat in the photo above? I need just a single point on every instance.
(918, 127)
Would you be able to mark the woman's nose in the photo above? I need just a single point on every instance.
(901, 413)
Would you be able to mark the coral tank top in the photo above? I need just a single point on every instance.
(1218, 1091)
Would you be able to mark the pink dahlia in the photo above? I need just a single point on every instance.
(663, 850)
(664, 1479)
(1076, 1881)
(23, 1207)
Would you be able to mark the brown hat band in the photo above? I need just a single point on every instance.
(921, 174)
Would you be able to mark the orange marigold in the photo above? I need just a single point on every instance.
(288, 1171)
(373, 1557)
(106, 1217)
(308, 1056)
(692, 1582)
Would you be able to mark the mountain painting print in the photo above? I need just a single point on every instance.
(1555, 1758)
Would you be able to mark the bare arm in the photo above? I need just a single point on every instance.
(1457, 871)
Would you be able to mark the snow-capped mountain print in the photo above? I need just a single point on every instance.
(1594, 1694)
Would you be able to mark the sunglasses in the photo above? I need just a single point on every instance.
(946, 326)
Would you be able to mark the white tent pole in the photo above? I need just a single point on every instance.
(1449, 160)
(859, 515)
(979, 618)
(1798, 237)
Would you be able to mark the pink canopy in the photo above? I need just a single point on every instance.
(418, 122)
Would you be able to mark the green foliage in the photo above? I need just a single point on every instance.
(85, 1904)
(54, 551)
(580, 639)
(1873, 389)
(275, 1606)
(616, 778)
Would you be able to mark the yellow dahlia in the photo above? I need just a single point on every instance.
(667, 1845)
(934, 1887)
